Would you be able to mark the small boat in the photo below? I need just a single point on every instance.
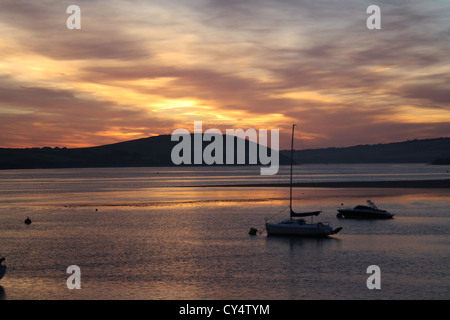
(365, 212)
(299, 227)
(2, 267)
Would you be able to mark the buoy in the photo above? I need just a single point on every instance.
(252, 231)
(28, 220)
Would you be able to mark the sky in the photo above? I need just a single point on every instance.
(142, 68)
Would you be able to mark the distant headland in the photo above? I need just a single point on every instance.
(156, 152)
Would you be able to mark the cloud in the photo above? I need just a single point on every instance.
(34, 116)
(431, 92)
(138, 68)
(40, 27)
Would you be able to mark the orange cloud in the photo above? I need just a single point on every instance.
(147, 68)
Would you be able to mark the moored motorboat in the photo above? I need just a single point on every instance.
(365, 212)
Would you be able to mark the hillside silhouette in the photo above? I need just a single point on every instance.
(433, 151)
(146, 152)
(156, 151)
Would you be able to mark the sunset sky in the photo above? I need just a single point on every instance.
(142, 68)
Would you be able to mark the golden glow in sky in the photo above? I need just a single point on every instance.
(142, 68)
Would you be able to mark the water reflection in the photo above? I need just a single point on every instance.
(192, 243)
(303, 245)
(301, 241)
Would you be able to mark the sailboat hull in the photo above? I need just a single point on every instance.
(294, 228)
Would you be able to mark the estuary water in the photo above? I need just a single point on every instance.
(179, 233)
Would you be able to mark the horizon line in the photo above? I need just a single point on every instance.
(160, 135)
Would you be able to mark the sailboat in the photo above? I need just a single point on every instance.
(295, 226)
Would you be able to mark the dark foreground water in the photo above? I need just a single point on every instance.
(142, 233)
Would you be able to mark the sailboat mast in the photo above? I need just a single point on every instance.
(292, 160)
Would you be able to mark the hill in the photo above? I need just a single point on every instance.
(156, 151)
(414, 151)
(146, 152)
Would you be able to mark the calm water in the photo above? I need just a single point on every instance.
(159, 233)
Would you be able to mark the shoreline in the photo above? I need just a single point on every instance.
(418, 184)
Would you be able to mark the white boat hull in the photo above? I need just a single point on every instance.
(296, 228)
